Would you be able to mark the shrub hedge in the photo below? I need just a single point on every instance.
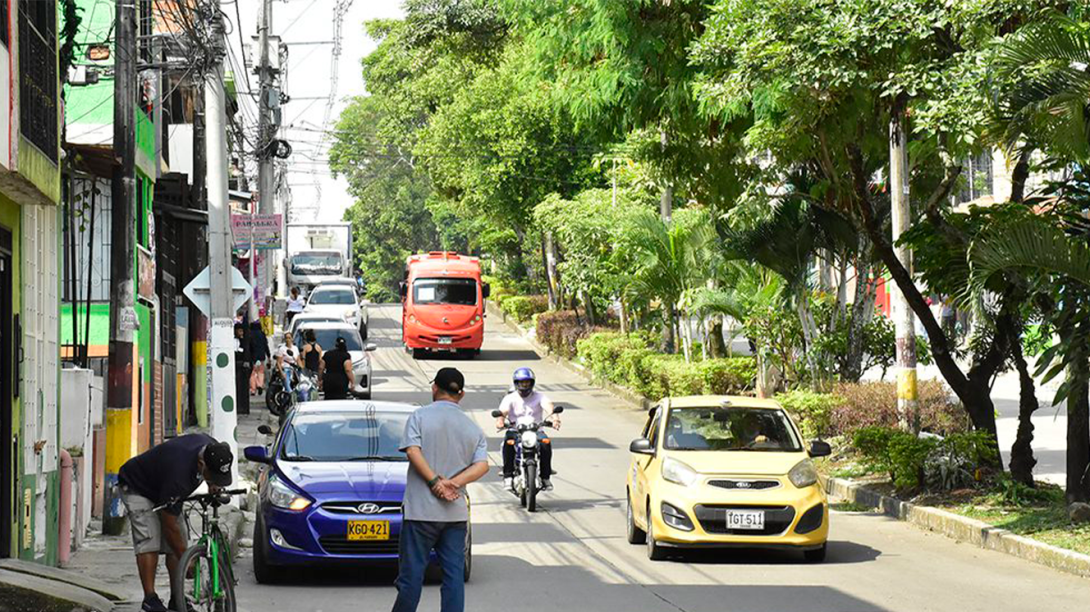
(560, 330)
(630, 360)
(522, 308)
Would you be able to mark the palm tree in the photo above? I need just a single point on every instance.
(672, 261)
(1044, 97)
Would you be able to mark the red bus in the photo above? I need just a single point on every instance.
(442, 304)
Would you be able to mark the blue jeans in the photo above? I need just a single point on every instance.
(418, 538)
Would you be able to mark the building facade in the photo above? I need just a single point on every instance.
(30, 190)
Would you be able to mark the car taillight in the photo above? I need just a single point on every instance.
(412, 319)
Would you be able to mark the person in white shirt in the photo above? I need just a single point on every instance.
(524, 401)
(286, 358)
(296, 303)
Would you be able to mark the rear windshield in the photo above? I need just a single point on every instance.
(355, 436)
(460, 291)
(336, 296)
(729, 429)
(328, 337)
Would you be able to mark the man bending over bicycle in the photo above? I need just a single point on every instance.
(160, 478)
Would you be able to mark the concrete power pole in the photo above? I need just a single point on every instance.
(265, 180)
(903, 318)
(224, 417)
(120, 420)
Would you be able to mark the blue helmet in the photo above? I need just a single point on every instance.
(524, 375)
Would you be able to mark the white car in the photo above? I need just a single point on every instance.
(338, 301)
(326, 335)
(301, 318)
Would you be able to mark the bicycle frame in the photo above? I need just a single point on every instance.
(213, 540)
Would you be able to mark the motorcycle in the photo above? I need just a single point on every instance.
(304, 389)
(527, 481)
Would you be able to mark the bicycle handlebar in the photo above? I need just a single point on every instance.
(204, 498)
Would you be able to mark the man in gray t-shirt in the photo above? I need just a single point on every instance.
(446, 451)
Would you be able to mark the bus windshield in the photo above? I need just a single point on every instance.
(458, 291)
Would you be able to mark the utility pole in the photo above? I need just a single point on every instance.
(265, 131)
(223, 411)
(120, 419)
(903, 318)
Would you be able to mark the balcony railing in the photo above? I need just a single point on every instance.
(38, 87)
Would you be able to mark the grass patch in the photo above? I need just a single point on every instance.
(1038, 513)
(848, 506)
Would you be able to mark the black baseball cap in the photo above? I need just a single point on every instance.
(450, 380)
(218, 460)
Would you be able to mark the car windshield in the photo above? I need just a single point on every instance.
(335, 296)
(327, 337)
(730, 429)
(316, 263)
(372, 435)
(300, 320)
(459, 291)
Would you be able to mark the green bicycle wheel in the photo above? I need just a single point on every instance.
(201, 593)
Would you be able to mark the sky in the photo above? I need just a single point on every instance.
(315, 195)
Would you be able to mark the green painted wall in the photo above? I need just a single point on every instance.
(100, 323)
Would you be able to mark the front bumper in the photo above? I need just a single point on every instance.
(418, 336)
(791, 517)
(319, 536)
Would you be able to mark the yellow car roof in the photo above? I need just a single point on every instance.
(714, 401)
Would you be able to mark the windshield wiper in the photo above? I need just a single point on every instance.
(299, 458)
(376, 458)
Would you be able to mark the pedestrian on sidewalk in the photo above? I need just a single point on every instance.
(243, 368)
(259, 351)
(447, 450)
(163, 476)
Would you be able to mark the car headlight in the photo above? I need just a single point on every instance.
(283, 496)
(529, 439)
(350, 314)
(803, 474)
(358, 365)
(678, 473)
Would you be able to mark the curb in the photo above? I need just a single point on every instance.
(962, 529)
(634, 400)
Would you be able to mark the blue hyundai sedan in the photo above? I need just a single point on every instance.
(333, 488)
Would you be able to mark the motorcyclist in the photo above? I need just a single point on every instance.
(523, 401)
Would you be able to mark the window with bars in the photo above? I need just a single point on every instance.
(978, 178)
(38, 75)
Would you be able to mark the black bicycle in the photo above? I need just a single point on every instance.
(205, 570)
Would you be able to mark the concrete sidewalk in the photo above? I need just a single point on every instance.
(109, 559)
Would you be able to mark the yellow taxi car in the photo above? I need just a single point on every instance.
(722, 471)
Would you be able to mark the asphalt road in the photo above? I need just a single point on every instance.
(572, 556)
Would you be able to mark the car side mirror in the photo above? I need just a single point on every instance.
(256, 454)
(820, 449)
(558, 410)
(496, 414)
(370, 346)
(486, 290)
(641, 446)
(265, 429)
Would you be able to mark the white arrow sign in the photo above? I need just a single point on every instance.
(199, 293)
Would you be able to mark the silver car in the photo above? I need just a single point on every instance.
(326, 334)
(338, 301)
